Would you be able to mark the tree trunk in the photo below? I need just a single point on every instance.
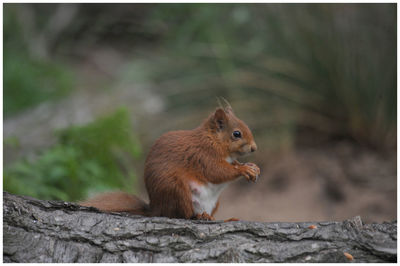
(52, 231)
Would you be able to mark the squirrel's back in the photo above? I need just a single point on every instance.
(173, 161)
(179, 150)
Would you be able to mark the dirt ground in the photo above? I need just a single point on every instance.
(325, 183)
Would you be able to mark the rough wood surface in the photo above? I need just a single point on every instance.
(51, 231)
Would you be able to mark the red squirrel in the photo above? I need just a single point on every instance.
(185, 171)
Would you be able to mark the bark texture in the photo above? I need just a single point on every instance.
(52, 231)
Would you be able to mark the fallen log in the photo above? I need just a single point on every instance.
(53, 231)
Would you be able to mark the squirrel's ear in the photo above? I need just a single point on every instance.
(220, 119)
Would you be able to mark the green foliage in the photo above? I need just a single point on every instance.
(330, 68)
(88, 159)
(28, 82)
(27, 79)
(326, 67)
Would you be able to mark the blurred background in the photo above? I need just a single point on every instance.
(89, 87)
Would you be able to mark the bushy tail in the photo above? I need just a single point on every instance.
(118, 202)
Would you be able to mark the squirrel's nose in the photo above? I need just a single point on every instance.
(253, 147)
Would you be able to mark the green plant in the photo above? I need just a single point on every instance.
(88, 159)
(329, 68)
(28, 79)
(28, 82)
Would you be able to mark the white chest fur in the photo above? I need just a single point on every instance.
(205, 197)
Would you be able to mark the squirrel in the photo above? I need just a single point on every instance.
(186, 170)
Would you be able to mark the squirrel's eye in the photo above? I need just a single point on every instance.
(236, 134)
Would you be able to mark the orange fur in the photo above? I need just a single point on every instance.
(117, 202)
(179, 157)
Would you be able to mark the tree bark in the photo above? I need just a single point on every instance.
(52, 231)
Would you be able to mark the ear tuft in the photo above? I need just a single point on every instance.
(228, 110)
(227, 106)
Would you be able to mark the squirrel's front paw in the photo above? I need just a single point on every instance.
(251, 171)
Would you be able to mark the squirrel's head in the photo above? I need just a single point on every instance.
(232, 131)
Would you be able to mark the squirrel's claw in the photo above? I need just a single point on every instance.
(205, 216)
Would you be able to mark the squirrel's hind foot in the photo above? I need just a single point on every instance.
(205, 216)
